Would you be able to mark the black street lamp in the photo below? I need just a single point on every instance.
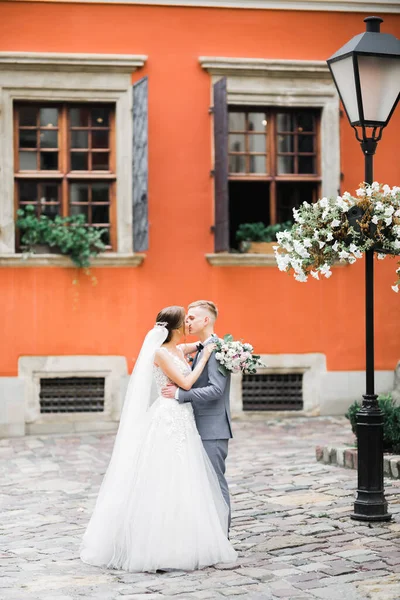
(366, 72)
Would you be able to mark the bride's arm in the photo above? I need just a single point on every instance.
(188, 348)
(164, 360)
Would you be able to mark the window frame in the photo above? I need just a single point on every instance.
(258, 82)
(272, 175)
(64, 175)
(271, 150)
(75, 78)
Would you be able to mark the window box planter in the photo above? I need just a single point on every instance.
(45, 249)
(261, 247)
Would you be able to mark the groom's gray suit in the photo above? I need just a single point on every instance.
(210, 400)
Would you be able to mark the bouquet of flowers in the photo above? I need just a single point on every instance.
(234, 356)
(341, 229)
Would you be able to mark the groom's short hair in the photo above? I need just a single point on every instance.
(208, 305)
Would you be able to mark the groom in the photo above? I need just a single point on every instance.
(209, 395)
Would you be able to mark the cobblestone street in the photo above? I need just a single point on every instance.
(291, 523)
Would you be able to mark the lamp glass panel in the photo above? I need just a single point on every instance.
(380, 86)
(343, 73)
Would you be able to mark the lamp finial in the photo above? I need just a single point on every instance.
(373, 24)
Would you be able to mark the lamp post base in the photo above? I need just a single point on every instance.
(370, 518)
(370, 504)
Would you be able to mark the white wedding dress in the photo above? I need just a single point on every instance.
(173, 514)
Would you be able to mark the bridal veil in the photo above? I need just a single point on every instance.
(99, 542)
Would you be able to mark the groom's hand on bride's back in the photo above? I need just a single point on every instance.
(169, 391)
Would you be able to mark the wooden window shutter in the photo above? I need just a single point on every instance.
(221, 196)
(140, 166)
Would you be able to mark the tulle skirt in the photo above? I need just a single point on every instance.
(170, 512)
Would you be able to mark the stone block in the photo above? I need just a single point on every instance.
(283, 541)
(340, 456)
(384, 588)
(395, 467)
(341, 388)
(344, 591)
(49, 427)
(255, 573)
(350, 458)
(8, 430)
(386, 465)
(326, 455)
(106, 426)
(12, 407)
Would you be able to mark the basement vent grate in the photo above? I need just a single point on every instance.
(71, 394)
(273, 391)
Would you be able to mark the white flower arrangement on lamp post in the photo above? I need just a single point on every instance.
(341, 229)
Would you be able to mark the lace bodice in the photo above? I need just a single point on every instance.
(177, 419)
(159, 375)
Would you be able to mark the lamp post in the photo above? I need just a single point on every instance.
(366, 72)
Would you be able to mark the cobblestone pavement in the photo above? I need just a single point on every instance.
(291, 522)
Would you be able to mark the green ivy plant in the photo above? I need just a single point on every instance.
(258, 232)
(391, 421)
(68, 235)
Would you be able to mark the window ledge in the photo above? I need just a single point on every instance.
(108, 259)
(230, 259)
(263, 67)
(68, 61)
(390, 6)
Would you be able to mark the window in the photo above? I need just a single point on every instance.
(283, 118)
(65, 161)
(273, 164)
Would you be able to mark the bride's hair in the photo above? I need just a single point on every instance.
(172, 317)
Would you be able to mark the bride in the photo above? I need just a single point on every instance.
(160, 506)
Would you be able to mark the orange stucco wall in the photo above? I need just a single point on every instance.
(261, 305)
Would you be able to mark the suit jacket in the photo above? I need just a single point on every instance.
(210, 400)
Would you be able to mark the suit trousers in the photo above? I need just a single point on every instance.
(217, 451)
